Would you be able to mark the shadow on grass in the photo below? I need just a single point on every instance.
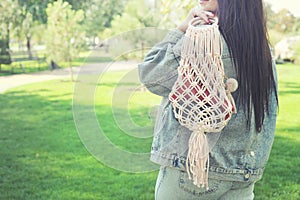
(290, 88)
(41, 156)
(281, 178)
(33, 66)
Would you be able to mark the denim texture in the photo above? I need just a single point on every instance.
(238, 153)
(174, 184)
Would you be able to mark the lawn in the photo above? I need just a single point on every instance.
(42, 157)
(23, 65)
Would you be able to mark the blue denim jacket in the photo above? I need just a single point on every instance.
(237, 153)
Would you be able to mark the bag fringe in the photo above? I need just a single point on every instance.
(197, 161)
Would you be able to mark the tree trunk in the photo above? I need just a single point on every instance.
(8, 38)
(5, 55)
(28, 38)
(53, 65)
(143, 49)
(71, 71)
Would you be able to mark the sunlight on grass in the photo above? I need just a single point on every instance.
(123, 108)
(42, 156)
(23, 65)
(281, 179)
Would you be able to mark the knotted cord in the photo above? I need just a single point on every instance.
(200, 99)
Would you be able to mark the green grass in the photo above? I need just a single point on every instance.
(42, 157)
(22, 63)
(282, 175)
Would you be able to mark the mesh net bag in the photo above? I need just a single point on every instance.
(201, 99)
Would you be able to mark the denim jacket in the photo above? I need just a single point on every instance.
(238, 153)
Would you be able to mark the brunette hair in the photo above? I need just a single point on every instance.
(243, 26)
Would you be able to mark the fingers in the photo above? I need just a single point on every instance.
(196, 20)
(199, 21)
(198, 15)
(204, 15)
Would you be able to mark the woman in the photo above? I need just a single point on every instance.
(238, 157)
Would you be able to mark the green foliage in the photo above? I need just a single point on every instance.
(9, 12)
(135, 16)
(283, 26)
(285, 21)
(296, 50)
(27, 24)
(64, 37)
(122, 24)
(38, 7)
(296, 26)
(128, 28)
(275, 37)
(100, 13)
(26, 21)
(282, 22)
(161, 13)
(174, 11)
(143, 12)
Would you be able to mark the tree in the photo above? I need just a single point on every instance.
(270, 16)
(296, 27)
(99, 14)
(33, 17)
(9, 10)
(135, 17)
(27, 28)
(4, 52)
(38, 7)
(173, 11)
(281, 24)
(285, 21)
(65, 37)
(139, 14)
(296, 51)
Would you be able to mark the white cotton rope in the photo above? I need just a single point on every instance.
(201, 100)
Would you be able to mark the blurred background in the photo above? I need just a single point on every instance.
(46, 42)
(57, 33)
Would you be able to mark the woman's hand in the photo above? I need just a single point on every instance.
(196, 14)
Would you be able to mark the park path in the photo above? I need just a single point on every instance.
(8, 82)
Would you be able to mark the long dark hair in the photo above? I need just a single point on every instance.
(243, 26)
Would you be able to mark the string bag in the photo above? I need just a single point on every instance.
(201, 96)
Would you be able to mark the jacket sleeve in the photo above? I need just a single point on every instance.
(158, 71)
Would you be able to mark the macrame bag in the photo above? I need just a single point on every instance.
(201, 99)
